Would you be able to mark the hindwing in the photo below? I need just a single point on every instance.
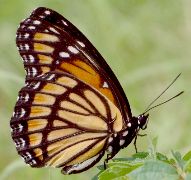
(61, 121)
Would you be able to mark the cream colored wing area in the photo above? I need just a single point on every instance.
(102, 108)
(116, 116)
(62, 144)
(84, 121)
(88, 154)
(96, 101)
(63, 122)
(89, 147)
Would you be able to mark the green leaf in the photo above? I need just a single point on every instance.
(179, 160)
(187, 166)
(155, 170)
(140, 155)
(162, 157)
(152, 148)
(117, 170)
(187, 156)
(172, 161)
(124, 159)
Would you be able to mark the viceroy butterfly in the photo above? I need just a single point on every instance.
(72, 108)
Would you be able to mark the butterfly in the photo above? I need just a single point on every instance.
(72, 109)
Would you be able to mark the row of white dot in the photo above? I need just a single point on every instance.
(28, 58)
(25, 36)
(27, 157)
(32, 72)
(17, 129)
(23, 47)
(20, 142)
(19, 114)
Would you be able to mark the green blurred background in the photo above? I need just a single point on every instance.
(146, 43)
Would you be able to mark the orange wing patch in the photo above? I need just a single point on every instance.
(39, 47)
(45, 37)
(43, 59)
(87, 74)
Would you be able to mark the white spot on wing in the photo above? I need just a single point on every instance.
(121, 142)
(28, 72)
(31, 27)
(26, 35)
(110, 139)
(28, 155)
(26, 47)
(36, 85)
(125, 133)
(64, 54)
(20, 127)
(73, 49)
(65, 23)
(18, 36)
(82, 165)
(23, 26)
(129, 124)
(33, 162)
(20, 47)
(34, 71)
(54, 30)
(47, 12)
(36, 22)
(51, 77)
(20, 142)
(22, 112)
(26, 98)
(28, 20)
(105, 85)
(81, 43)
(31, 58)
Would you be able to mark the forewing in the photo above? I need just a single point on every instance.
(61, 121)
(48, 42)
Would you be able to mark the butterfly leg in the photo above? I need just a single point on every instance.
(135, 145)
(109, 156)
(106, 161)
(135, 141)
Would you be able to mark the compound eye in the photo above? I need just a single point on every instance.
(142, 121)
(140, 116)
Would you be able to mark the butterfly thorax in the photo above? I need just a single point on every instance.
(123, 138)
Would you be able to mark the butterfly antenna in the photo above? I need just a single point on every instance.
(164, 102)
(148, 107)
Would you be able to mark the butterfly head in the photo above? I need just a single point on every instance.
(143, 120)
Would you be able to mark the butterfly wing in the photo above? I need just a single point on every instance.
(61, 121)
(48, 42)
